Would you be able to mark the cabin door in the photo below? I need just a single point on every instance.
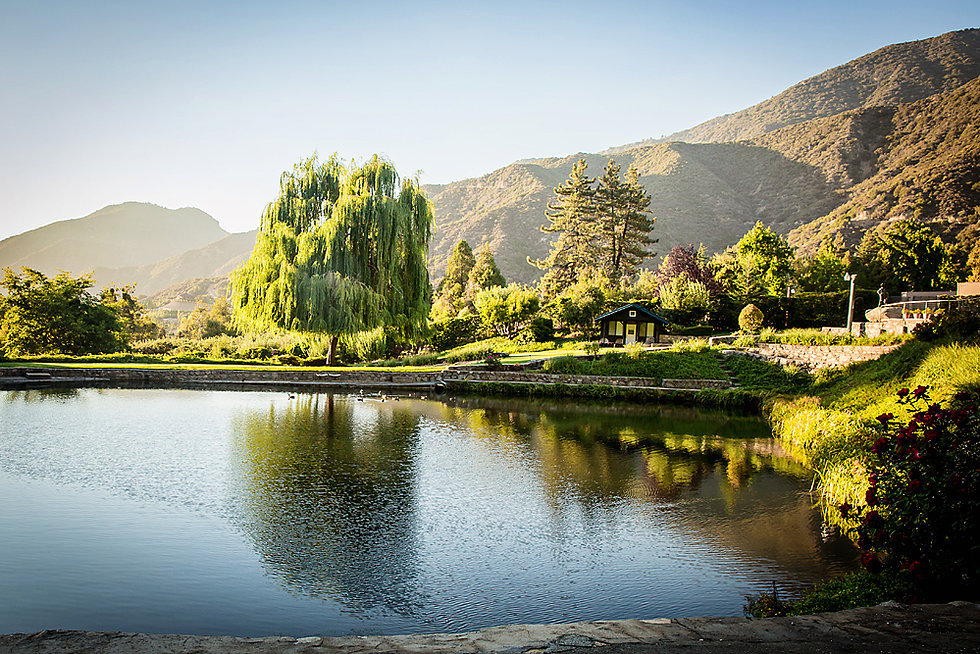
(630, 334)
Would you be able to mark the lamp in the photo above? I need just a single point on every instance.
(850, 277)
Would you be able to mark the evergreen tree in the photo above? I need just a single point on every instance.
(623, 209)
(631, 246)
(342, 250)
(572, 214)
(485, 273)
(450, 294)
(458, 268)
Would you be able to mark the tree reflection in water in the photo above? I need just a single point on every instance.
(335, 495)
(327, 497)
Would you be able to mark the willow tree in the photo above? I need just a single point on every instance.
(341, 250)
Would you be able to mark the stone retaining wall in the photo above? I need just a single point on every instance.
(473, 375)
(815, 357)
(345, 378)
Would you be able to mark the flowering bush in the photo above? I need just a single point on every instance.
(920, 522)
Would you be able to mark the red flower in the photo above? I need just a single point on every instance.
(914, 455)
(873, 521)
(903, 392)
(845, 509)
(920, 391)
(869, 497)
(915, 485)
(931, 435)
(870, 562)
(880, 444)
(884, 418)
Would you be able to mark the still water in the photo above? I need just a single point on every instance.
(257, 513)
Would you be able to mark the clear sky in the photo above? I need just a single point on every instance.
(204, 104)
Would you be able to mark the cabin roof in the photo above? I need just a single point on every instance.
(632, 306)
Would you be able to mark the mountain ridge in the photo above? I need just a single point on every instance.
(894, 74)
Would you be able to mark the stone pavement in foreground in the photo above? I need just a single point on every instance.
(889, 628)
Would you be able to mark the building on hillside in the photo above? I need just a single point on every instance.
(630, 323)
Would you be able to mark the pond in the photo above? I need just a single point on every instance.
(260, 513)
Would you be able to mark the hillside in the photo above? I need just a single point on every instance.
(128, 234)
(894, 74)
(215, 259)
(925, 164)
(702, 193)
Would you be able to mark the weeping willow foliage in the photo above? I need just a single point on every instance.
(342, 250)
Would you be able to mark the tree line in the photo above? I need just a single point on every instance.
(341, 254)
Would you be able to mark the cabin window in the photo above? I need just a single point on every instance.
(632, 314)
(615, 328)
(641, 330)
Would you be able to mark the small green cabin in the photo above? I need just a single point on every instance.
(630, 323)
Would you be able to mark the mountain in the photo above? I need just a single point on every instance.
(925, 165)
(889, 134)
(215, 259)
(702, 193)
(128, 234)
(895, 74)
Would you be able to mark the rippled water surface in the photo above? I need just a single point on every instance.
(252, 513)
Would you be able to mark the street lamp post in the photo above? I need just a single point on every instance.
(850, 277)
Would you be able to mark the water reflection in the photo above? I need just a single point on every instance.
(327, 497)
(334, 514)
(382, 504)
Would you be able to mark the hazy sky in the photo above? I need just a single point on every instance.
(204, 104)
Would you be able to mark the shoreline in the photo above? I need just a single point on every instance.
(702, 392)
(889, 627)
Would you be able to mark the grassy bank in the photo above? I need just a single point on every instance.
(829, 427)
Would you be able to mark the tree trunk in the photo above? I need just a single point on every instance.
(332, 351)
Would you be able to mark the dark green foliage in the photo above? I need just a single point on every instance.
(961, 323)
(573, 216)
(837, 594)
(450, 333)
(623, 212)
(541, 329)
(41, 315)
(800, 310)
(919, 521)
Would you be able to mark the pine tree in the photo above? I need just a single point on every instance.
(485, 273)
(342, 250)
(572, 214)
(634, 226)
(452, 287)
(610, 206)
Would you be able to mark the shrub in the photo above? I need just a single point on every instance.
(541, 329)
(750, 319)
(453, 332)
(919, 522)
